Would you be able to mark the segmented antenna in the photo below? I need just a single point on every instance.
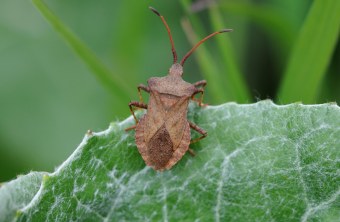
(169, 33)
(200, 42)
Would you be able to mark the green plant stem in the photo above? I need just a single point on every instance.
(232, 76)
(208, 66)
(210, 71)
(227, 81)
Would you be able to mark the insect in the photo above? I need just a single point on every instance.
(163, 133)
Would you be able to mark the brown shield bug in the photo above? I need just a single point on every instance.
(163, 133)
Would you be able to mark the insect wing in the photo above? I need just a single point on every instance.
(155, 116)
(177, 120)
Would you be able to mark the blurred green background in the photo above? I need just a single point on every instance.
(55, 84)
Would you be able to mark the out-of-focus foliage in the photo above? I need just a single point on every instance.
(50, 96)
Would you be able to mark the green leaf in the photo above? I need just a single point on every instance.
(113, 81)
(312, 53)
(260, 162)
(17, 194)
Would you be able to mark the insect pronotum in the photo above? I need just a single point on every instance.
(163, 133)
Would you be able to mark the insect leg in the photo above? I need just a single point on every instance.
(198, 129)
(143, 87)
(139, 105)
(131, 128)
(192, 153)
(200, 100)
(201, 83)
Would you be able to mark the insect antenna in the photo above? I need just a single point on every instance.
(200, 42)
(169, 33)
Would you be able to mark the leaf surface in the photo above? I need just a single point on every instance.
(260, 162)
(18, 193)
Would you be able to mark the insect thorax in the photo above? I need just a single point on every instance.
(171, 85)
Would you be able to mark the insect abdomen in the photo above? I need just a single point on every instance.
(160, 148)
